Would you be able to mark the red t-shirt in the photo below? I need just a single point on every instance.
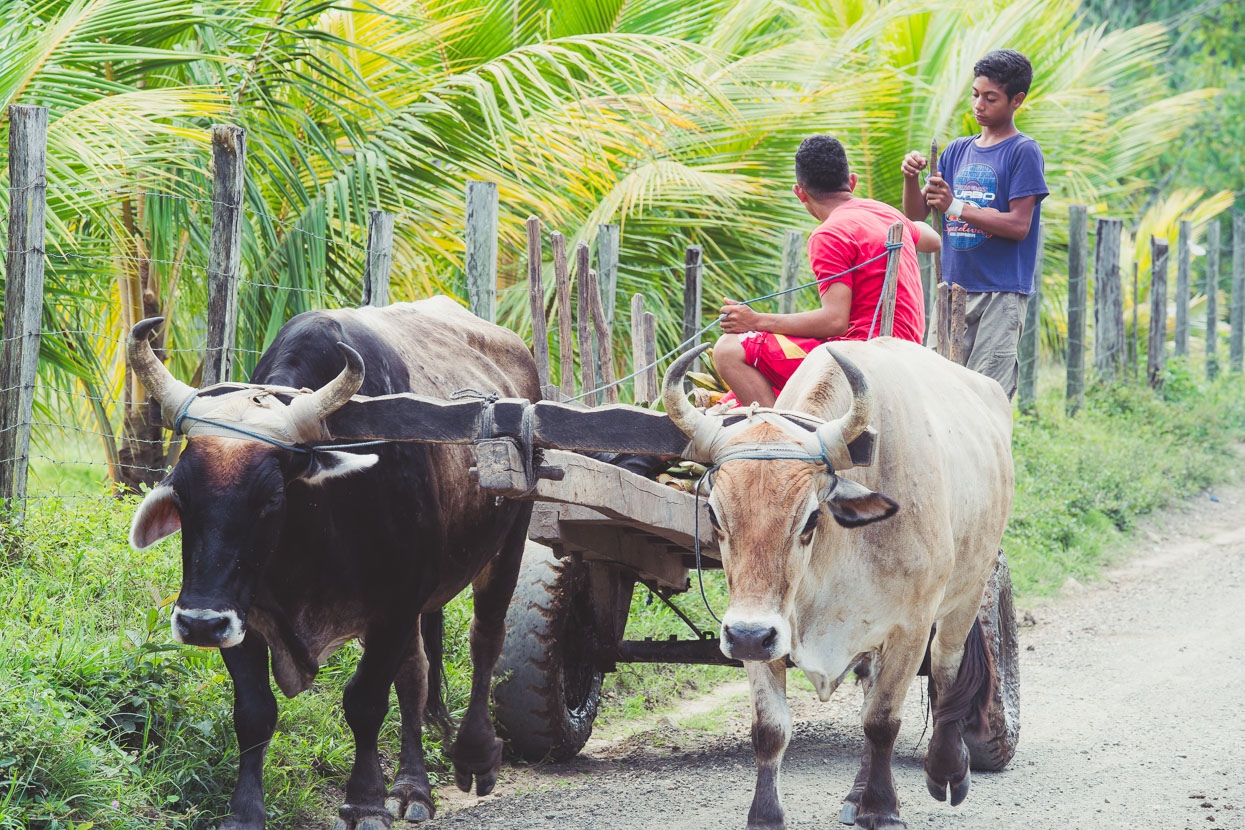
(852, 234)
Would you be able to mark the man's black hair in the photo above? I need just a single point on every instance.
(1007, 68)
(821, 166)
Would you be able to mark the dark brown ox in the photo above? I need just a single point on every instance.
(289, 555)
(814, 573)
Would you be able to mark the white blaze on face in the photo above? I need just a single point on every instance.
(231, 635)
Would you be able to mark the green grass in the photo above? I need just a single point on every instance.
(105, 722)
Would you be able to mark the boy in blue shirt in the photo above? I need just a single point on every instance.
(990, 188)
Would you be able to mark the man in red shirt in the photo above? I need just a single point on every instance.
(759, 352)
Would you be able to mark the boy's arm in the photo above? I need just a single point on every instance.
(830, 320)
(914, 205)
(929, 241)
(1014, 224)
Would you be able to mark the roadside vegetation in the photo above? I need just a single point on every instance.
(105, 722)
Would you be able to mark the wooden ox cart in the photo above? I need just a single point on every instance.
(601, 528)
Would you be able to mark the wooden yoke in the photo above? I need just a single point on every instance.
(890, 286)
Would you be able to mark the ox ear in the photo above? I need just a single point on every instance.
(327, 464)
(156, 519)
(854, 505)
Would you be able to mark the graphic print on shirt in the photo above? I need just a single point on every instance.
(976, 183)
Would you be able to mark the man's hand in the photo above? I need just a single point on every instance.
(913, 163)
(937, 193)
(738, 318)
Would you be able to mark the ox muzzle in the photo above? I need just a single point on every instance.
(207, 628)
(755, 637)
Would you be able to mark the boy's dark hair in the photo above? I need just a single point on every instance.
(1007, 68)
(821, 166)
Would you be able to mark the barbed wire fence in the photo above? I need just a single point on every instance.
(583, 298)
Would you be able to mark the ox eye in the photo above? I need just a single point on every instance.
(811, 524)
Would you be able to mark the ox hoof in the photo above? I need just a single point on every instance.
(959, 789)
(876, 821)
(848, 814)
(414, 811)
(485, 773)
(350, 817)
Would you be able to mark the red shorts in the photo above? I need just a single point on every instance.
(776, 356)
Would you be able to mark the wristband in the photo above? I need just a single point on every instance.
(956, 208)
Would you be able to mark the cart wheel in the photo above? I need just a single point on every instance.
(995, 746)
(550, 688)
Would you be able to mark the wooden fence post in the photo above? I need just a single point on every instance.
(536, 299)
(792, 250)
(480, 259)
(1236, 338)
(1132, 340)
(1184, 265)
(1212, 299)
(566, 334)
(1078, 294)
(588, 372)
(23, 296)
(650, 355)
(1108, 299)
(605, 346)
(379, 258)
(929, 290)
(942, 320)
(691, 293)
(607, 267)
(958, 324)
(1157, 354)
(225, 256)
(641, 395)
(890, 287)
(1029, 339)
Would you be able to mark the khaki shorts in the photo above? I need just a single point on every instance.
(994, 321)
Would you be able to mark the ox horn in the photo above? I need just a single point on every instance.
(695, 424)
(845, 429)
(167, 390)
(333, 395)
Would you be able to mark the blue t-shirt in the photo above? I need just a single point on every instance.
(990, 177)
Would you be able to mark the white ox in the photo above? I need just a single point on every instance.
(815, 574)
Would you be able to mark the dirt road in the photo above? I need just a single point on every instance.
(1132, 715)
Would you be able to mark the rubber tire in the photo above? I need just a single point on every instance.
(995, 745)
(547, 698)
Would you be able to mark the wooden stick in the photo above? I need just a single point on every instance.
(1030, 340)
(959, 325)
(1156, 357)
(935, 215)
(480, 259)
(792, 250)
(379, 257)
(607, 267)
(1077, 297)
(225, 254)
(566, 335)
(1108, 299)
(890, 288)
(1212, 299)
(536, 300)
(583, 326)
(641, 395)
(605, 355)
(1184, 268)
(653, 382)
(942, 315)
(23, 297)
(1236, 337)
(691, 292)
(1132, 342)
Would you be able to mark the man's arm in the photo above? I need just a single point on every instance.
(1014, 224)
(831, 320)
(929, 241)
(914, 205)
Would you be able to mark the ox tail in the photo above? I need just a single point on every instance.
(432, 630)
(969, 697)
